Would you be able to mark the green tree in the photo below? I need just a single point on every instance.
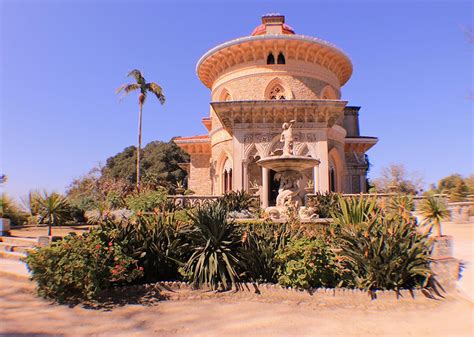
(453, 185)
(160, 165)
(144, 88)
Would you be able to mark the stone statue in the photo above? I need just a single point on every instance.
(289, 189)
(287, 138)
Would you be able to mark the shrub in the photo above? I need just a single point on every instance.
(214, 243)
(9, 209)
(355, 211)
(147, 200)
(306, 263)
(261, 241)
(153, 240)
(324, 203)
(79, 267)
(386, 254)
(237, 201)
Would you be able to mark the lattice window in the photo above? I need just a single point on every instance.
(277, 92)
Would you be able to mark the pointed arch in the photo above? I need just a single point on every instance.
(336, 171)
(225, 95)
(277, 89)
(328, 92)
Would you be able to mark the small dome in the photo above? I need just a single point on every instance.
(273, 24)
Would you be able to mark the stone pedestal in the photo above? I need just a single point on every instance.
(446, 271)
(444, 266)
(4, 227)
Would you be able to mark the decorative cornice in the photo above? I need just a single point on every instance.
(252, 48)
(359, 144)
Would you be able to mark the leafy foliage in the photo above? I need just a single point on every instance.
(53, 209)
(432, 210)
(324, 203)
(153, 240)
(159, 165)
(355, 210)
(11, 210)
(455, 186)
(146, 200)
(386, 254)
(79, 267)
(306, 263)
(214, 243)
(237, 201)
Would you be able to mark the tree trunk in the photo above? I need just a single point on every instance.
(139, 144)
(49, 225)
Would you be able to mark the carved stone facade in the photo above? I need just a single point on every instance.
(257, 83)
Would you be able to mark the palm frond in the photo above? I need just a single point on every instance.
(127, 88)
(135, 73)
(157, 90)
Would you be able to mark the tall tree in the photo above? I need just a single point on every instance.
(144, 88)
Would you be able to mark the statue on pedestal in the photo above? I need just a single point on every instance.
(287, 138)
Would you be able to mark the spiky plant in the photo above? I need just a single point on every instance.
(355, 211)
(144, 88)
(53, 208)
(432, 211)
(215, 245)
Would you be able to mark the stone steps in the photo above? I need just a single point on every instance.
(12, 255)
(16, 241)
(14, 270)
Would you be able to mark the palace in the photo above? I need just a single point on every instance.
(257, 83)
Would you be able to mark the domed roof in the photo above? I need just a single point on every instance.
(273, 20)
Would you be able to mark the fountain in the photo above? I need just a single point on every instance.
(288, 167)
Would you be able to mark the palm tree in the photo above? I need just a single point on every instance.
(52, 208)
(432, 211)
(144, 88)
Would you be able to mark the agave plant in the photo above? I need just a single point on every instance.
(432, 211)
(215, 246)
(355, 211)
(53, 208)
(387, 254)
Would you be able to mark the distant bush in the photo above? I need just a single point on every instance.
(324, 203)
(146, 201)
(79, 267)
(237, 201)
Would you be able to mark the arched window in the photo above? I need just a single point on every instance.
(270, 59)
(277, 92)
(281, 59)
(227, 177)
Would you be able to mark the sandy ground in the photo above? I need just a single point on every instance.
(21, 312)
(35, 231)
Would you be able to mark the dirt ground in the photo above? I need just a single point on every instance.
(23, 313)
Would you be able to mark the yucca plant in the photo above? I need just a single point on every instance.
(53, 208)
(144, 88)
(215, 244)
(432, 211)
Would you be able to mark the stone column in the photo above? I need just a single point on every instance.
(245, 178)
(265, 187)
(316, 179)
(322, 151)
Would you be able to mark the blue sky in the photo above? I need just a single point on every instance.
(61, 62)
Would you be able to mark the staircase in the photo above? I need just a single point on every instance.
(12, 249)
